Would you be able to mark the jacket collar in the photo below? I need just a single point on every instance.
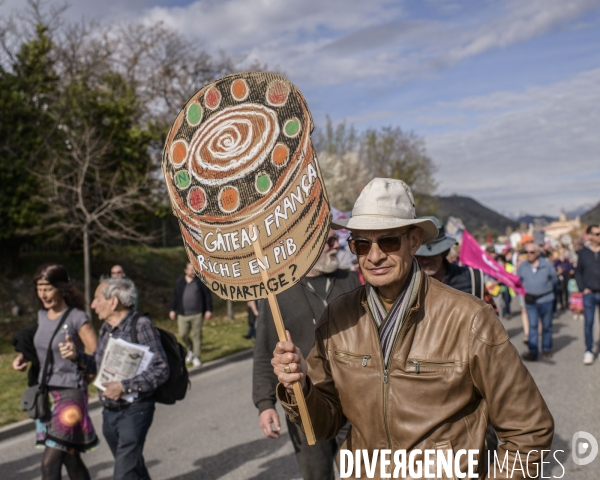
(425, 281)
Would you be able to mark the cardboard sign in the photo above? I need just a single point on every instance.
(240, 168)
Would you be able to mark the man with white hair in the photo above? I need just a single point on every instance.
(125, 424)
(301, 307)
(411, 363)
(539, 280)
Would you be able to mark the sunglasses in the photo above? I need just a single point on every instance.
(530, 253)
(387, 244)
(331, 241)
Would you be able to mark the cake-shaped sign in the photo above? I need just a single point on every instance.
(240, 168)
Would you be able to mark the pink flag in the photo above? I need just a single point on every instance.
(472, 255)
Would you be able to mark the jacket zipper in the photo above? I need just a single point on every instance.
(385, 371)
(365, 358)
(385, 382)
(419, 363)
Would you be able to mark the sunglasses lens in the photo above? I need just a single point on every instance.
(389, 244)
(359, 246)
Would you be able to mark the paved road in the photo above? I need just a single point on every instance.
(571, 390)
(214, 433)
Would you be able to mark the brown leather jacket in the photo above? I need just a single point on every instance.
(452, 367)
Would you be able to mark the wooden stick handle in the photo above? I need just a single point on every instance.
(280, 327)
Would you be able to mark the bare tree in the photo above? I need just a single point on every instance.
(349, 160)
(116, 88)
(345, 176)
(165, 67)
(392, 153)
(90, 197)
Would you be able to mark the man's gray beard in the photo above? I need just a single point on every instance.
(327, 263)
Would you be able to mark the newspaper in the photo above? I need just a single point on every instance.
(123, 360)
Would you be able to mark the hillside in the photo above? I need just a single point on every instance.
(592, 216)
(478, 219)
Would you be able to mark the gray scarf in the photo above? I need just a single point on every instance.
(389, 323)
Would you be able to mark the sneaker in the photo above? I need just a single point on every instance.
(189, 357)
(531, 357)
(548, 355)
(196, 362)
(588, 358)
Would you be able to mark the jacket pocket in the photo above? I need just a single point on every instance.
(428, 366)
(353, 357)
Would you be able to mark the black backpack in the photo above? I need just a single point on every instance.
(177, 384)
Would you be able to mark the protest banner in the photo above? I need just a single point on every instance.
(472, 255)
(244, 182)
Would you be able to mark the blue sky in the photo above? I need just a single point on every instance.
(506, 94)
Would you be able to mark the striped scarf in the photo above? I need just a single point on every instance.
(389, 323)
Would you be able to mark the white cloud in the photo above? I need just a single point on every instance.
(523, 21)
(345, 40)
(538, 150)
(335, 41)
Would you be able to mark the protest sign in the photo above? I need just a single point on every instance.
(240, 168)
(244, 182)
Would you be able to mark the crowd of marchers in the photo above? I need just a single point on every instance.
(401, 326)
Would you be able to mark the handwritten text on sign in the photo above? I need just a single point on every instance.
(245, 236)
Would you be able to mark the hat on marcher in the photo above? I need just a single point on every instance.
(441, 244)
(383, 204)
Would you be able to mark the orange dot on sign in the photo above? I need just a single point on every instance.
(179, 152)
(239, 89)
(280, 154)
(229, 199)
(212, 98)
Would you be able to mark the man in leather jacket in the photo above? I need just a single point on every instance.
(301, 307)
(409, 362)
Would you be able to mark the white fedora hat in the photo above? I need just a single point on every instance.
(383, 204)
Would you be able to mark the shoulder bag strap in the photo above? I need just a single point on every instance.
(134, 321)
(476, 282)
(49, 354)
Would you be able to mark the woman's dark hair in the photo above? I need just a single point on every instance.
(58, 276)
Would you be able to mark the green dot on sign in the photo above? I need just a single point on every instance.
(182, 179)
(194, 113)
(263, 183)
(292, 127)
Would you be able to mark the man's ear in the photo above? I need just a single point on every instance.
(114, 303)
(416, 239)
